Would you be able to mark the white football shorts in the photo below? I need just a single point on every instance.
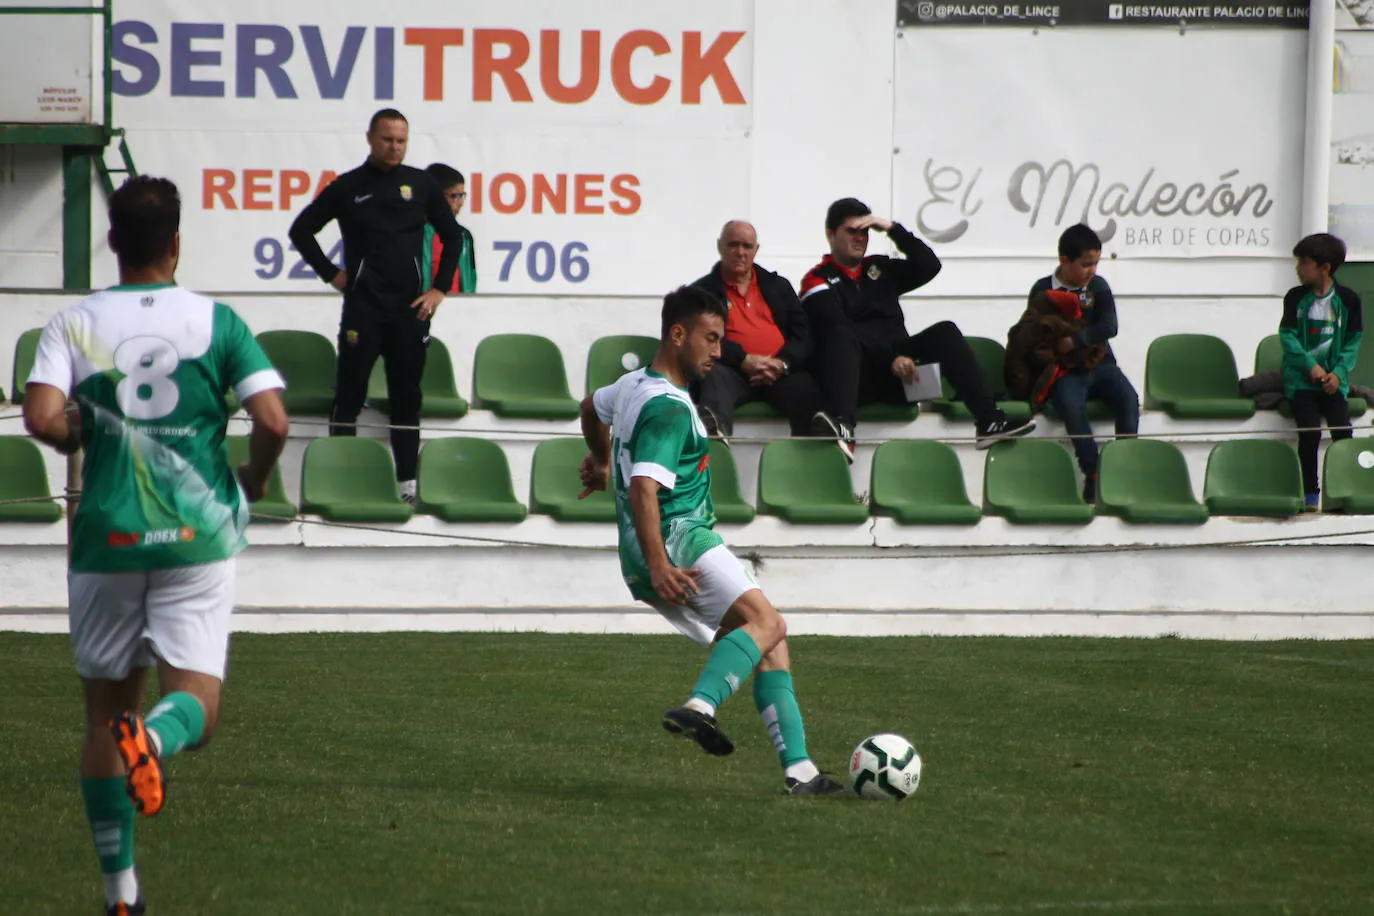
(125, 620)
(722, 580)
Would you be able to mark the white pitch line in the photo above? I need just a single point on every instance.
(1107, 906)
(1102, 906)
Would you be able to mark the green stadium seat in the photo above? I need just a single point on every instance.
(1347, 484)
(306, 361)
(467, 480)
(275, 503)
(554, 484)
(1254, 477)
(440, 391)
(1192, 377)
(868, 413)
(25, 349)
(1269, 358)
(992, 357)
(1269, 355)
(1363, 374)
(807, 482)
(25, 477)
(522, 375)
(757, 410)
(611, 357)
(348, 479)
(1033, 481)
(920, 482)
(725, 491)
(883, 412)
(1145, 481)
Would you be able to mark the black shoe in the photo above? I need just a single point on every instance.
(701, 728)
(821, 784)
(712, 424)
(1003, 428)
(823, 426)
(1090, 489)
(127, 909)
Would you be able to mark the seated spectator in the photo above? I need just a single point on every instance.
(864, 352)
(1088, 375)
(1033, 362)
(455, 188)
(1320, 333)
(767, 340)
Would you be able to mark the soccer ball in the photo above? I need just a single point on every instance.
(885, 767)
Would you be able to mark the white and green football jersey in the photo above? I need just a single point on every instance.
(655, 433)
(148, 366)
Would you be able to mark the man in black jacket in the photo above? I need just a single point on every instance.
(767, 340)
(863, 350)
(382, 208)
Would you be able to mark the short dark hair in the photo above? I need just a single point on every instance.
(687, 303)
(445, 176)
(1077, 239)
(386, 114)
(145, 216)
(842, 210)
(1322, 248)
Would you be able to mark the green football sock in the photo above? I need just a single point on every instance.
(728, 666)
(176, 723)
(777, 704)
(112, 827)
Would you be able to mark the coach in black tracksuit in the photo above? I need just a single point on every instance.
(382, 208)
(851, 299)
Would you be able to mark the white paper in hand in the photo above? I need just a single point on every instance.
(925, 388)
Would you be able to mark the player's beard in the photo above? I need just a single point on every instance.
(692, 371)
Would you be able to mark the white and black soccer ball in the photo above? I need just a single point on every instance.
(885, 767)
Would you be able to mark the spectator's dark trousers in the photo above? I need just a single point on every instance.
(795, 395)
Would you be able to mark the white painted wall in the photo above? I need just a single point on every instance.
(31, 217)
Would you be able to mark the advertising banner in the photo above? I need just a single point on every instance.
(1166, 145)
(47, 65)
(584, 131)
(1351, 202)
(1292, 14)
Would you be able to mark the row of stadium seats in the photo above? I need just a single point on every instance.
(1188, 376)
(914, 481)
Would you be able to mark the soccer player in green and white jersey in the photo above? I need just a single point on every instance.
(648, 442)
(162, 515)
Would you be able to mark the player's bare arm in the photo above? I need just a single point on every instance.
(48, 420)
(265, 441)
(594, 469)
(672, 584)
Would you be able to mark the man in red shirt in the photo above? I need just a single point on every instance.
(767, 340)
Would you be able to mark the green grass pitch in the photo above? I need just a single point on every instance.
(423, 774)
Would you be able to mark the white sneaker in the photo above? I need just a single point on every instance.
(407, 488)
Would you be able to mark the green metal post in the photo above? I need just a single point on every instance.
(76, 217)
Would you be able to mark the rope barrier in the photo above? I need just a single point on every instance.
(759, 557)
(1209, 433)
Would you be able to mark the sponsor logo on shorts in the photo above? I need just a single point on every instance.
(704, 463)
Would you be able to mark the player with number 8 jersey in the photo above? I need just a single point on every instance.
(148, 367)
(162, 516)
